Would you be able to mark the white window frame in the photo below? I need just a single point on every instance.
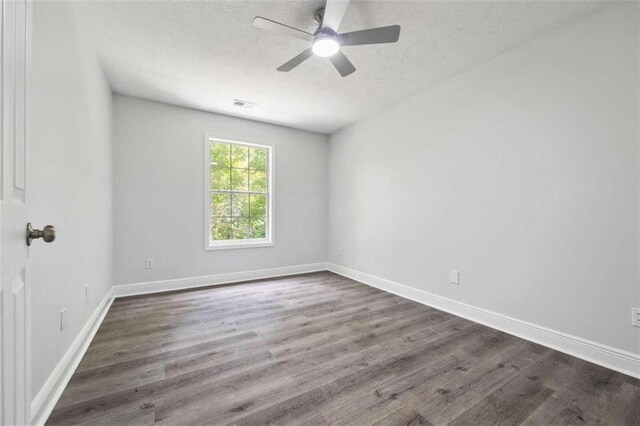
(269, 241)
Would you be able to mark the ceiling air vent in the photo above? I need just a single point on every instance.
(243, 104)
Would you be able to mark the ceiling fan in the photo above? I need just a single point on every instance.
(326, 42)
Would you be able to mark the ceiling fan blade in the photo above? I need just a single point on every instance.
(277, 27)
(333, 13)
(288, 66)
(389, 34)
(342, 64)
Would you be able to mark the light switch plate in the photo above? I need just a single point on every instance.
(63, 319)
(454, 277)
(635, 317)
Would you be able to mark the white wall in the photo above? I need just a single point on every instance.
(521, 173)
(159, 193)
(69, 116)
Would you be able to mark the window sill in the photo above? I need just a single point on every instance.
(238, 245)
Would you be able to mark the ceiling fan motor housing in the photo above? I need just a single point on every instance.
(324, 33)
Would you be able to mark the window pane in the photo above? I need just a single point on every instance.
(258, 206)
(220, 205)
(258, 228)
(239, 156)
(257, 181)
(240, 229)
(220, 155)
(240, 205)
(236, 170)
(220, 228)
(220, 178)
(239, 179)
(258, 158)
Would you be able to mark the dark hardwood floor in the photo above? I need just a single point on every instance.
(323, 349)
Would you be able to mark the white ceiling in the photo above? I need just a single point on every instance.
(204, 54)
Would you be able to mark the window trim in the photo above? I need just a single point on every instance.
(236, 244)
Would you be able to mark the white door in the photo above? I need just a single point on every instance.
(15, 342)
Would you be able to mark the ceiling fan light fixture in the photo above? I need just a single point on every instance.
(326, 42)
(325, 46)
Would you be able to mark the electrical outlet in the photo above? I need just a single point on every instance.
(635, 317)
(63, 319)
(338, 252)
(454, 277)
(86, 292)
(149, 263)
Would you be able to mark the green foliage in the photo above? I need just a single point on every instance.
(239, 156)
(220, 154)
(258, 228)
(258, 158)
(258, 207)
(220, 205)
(240, 229)
(240, 205)
(240, 169)
(220, 228)
(220, 178)
(257, 181)
(240, 180)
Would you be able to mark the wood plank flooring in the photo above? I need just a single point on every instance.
(321, 349)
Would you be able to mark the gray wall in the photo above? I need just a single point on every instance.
(521, 173)
(69, 115)
(159, 193)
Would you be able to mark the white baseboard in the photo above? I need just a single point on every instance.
(48, 396)
(606, 356)
(209, 280)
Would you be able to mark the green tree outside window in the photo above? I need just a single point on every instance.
(239, 191)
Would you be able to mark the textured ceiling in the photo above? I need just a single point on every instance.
(204, 54)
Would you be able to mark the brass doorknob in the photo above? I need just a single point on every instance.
(48, 233)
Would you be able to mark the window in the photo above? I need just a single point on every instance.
(239, 194)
